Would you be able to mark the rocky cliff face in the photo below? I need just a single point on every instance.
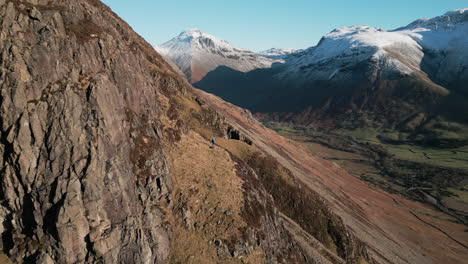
(82, 173)
(105, 158)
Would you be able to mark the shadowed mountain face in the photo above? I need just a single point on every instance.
(387, 102)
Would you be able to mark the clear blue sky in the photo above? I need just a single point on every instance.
(262, 24)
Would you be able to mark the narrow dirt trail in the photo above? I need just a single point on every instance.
(428, 223)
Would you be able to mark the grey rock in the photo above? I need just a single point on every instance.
(187, 214)
(35, 14)
(71, 188)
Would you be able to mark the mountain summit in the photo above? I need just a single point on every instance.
(196, 53)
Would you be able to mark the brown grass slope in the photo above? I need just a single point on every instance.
(394, 229)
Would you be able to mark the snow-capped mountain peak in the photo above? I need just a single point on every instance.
(440, 33)
(197, 37)
(193, 32)
(350, 45)
(196, 53)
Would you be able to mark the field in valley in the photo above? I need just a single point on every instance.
(433, 175)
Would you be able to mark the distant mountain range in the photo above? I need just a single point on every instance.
(355, 75)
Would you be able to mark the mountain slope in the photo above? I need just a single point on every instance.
(196, 53)
(394, 229)
(397, 97)
(444, 40)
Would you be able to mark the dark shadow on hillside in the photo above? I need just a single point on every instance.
(385, 101)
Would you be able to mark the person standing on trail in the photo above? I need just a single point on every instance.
(213, 142)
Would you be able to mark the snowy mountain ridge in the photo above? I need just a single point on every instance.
(436, 48)
(439, 44)
(447, 21)
(277, 53)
